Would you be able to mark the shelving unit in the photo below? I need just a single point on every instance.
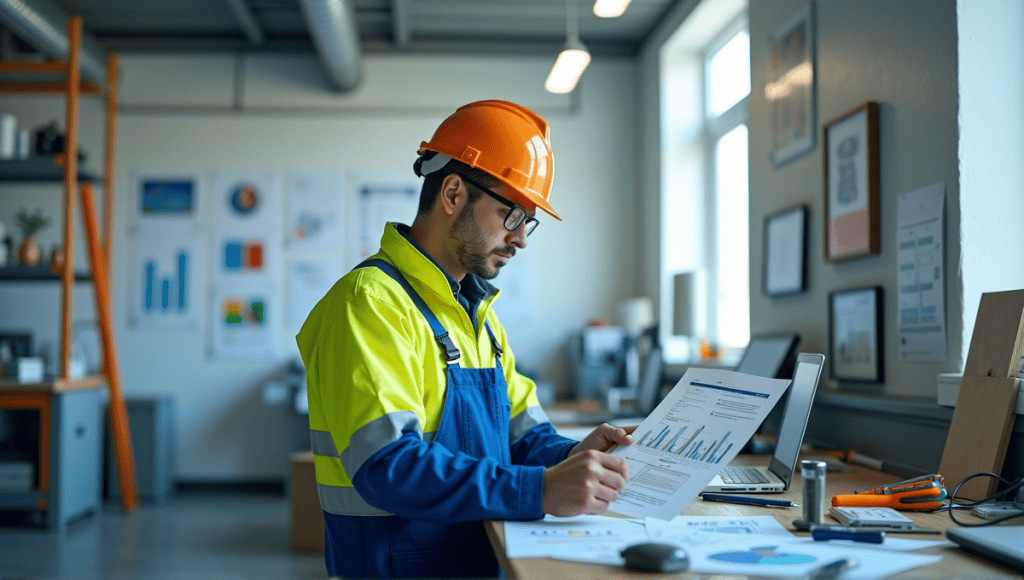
(62, 425)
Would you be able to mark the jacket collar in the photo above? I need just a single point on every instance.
(416, 264)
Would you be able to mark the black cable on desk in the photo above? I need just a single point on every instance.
(1013, 486)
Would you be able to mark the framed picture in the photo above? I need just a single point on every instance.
(852, 221)
(790, 89)
(785, 251)
(855, 334)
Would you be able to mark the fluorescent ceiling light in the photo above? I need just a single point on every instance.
(610, 8)
(569, 67)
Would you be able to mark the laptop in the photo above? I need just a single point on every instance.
(1001, 544)
(776, 477)
(647, 398)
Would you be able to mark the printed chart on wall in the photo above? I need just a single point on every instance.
(922, 324)
(167, 251)
(376, 201)
(246, 230)
(240, 321)
(314, 210)
(690, 436)
(308, 280)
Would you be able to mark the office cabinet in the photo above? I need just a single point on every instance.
(57, 434)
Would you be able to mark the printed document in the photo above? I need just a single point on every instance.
(692, 434)
(594, 539)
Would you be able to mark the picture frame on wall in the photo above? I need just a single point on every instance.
(790, 89)
(785, 251)
(851, 173)
(855, 334)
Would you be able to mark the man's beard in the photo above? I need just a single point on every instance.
(469, 246)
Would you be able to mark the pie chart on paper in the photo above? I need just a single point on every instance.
(763, 556)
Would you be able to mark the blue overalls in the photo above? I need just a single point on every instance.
(474, 421)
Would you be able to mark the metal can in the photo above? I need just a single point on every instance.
(813, 474)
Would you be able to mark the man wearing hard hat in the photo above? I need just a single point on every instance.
(421, 427)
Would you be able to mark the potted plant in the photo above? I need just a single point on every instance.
(29, 252)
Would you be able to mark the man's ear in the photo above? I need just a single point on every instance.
(453, 194)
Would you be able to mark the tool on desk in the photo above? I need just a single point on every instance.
(805, 526)
(729, 498)
(924, 493)
(852, 534)
(872, 517)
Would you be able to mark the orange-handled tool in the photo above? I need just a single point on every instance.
(919, 494)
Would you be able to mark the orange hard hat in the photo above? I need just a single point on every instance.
(503, 139)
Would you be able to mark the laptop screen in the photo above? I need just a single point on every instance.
(768, 355)
(795, 414)
(650, 381)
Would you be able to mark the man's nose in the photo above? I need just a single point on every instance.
(517, 237)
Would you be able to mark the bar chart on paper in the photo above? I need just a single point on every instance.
(164, 285)
(700, 443)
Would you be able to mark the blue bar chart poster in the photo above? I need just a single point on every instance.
(164, 279)
(314, 209)
(242, 321)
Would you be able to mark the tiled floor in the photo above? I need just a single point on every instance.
(209, 536)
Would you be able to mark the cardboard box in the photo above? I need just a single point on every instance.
(307, 529)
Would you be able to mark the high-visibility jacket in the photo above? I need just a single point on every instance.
(377, 383)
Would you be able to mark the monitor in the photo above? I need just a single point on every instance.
(770, 355)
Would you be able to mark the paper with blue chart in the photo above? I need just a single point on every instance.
(167, 242)
(692, 434)
(246, 234)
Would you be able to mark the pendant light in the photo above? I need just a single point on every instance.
(573, 59)
(610, 8)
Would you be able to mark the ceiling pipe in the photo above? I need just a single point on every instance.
(335, 32)
(44, 26)
(247, 20)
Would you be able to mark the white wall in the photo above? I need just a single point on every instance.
(904, 56)
(178, 112)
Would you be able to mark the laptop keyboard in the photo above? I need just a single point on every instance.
(734, 475)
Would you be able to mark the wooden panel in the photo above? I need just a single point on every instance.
(996, 342)
(979, 434)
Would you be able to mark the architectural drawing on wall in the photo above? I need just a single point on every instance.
(245, 226)
(171, 198)
(308, 281)
(241, 322)
(376, 201)
(164, 280)
(314, 209)
(919, 272)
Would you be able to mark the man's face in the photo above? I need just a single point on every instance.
(482, 244)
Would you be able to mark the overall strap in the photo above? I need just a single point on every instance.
(452, 354)
(494, 342)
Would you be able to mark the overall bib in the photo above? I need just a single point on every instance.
(475, 421)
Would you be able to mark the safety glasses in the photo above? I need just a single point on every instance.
(516, 215)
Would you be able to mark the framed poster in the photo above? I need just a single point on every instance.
(790, 90)
(851, 170)
(855, 334)
(785, 251)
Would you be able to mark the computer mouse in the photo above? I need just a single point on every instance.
(656, 557)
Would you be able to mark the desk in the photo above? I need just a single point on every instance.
(954, 563)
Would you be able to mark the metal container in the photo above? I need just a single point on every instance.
(813, 474)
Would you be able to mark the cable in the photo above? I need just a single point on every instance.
(1013, 486)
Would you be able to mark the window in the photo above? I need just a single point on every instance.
(705, 228)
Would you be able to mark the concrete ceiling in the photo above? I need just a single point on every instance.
(408, 26)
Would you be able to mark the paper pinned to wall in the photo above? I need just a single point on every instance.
(169, 198)
(246, 225)
(919, 274)
(164, 282)
(308, 281)
(376, 201)
(242, 318)
(314, 209)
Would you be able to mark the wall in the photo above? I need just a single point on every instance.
(904, 56)
(193, 112)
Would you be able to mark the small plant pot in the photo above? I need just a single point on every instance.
(29, 253)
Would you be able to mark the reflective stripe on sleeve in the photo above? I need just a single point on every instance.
(322, 443)
(376, 435)
(533, 415)
(345, 501)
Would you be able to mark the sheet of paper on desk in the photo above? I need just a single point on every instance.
(760, 555)
(597, 539)
(678, 529)
(691, 435)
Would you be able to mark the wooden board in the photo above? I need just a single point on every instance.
(979, 434)
(997, 340)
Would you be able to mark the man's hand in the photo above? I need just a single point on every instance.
(603, 438)
(585, 483)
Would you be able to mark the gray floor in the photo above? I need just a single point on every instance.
(193, 535)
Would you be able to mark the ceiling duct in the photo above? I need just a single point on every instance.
(335, 32)
(44, 26)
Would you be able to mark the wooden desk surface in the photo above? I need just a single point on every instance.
(954, 564)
